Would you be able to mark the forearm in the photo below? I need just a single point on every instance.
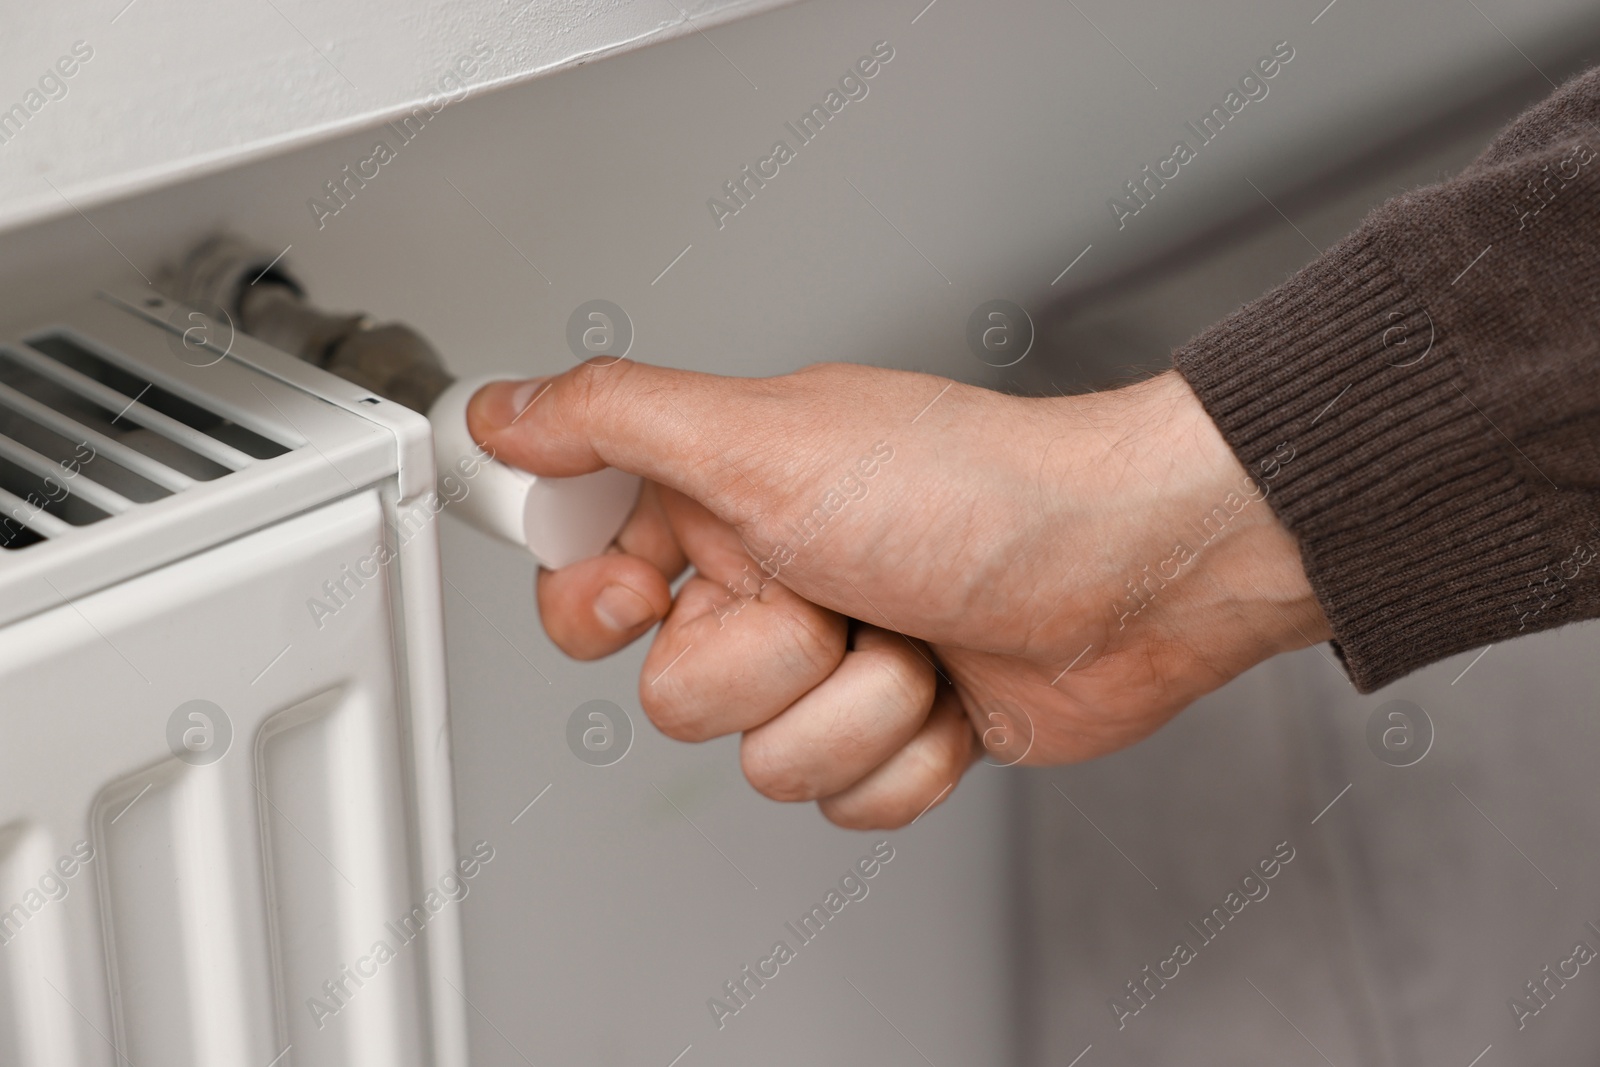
(1435, 375)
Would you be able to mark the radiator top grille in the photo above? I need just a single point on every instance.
(84, 436)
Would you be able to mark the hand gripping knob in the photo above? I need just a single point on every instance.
(559, 520)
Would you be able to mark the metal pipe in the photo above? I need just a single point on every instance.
(253, 287)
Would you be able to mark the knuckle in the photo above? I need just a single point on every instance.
(853, 733)
(672, 713)
(595, 387)
(773, 774)
(865, 816)
(811, 643)
(908, 681)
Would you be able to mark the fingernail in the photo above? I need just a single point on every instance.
(499, 404)
(621, 609)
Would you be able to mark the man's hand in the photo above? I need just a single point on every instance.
(890, 566)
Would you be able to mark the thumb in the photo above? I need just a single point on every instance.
(667, 425)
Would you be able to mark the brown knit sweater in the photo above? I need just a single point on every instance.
(1438, 376)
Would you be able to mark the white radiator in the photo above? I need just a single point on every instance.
(225, 796)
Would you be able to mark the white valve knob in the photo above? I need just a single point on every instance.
(559, 520)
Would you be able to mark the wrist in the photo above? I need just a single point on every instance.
(1220, 574)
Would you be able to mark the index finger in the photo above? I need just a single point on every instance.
(658, 422)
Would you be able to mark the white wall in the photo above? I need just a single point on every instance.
(167, 91)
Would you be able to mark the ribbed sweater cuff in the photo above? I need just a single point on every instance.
(1415, 531)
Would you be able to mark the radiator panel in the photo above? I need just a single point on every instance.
(219, 894)
(324, 765)
(174, 911)
(35, 1023)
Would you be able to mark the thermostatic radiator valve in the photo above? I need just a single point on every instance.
(558, 520)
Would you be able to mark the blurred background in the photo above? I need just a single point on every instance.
(978, 167)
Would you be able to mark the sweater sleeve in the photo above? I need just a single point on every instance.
(1436, 380)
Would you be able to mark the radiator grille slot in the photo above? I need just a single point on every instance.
(83, 437)
(47, 491)
(75, 455)
(14, 535)
(69, 352)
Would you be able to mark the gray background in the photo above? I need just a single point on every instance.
(623, 899)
